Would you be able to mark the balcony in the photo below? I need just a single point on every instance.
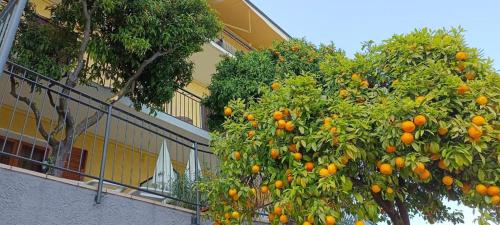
(124, 152)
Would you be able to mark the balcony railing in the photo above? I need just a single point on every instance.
(124, 151)
(184, 105)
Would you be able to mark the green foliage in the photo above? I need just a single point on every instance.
(241, 76)
(349, 122)
(124, 35)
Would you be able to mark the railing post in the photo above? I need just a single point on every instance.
(196, 175)
(10, 32)
(104, 154)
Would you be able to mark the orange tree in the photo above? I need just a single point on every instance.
(395, 132)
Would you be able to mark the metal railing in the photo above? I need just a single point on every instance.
(51, 128)
(184, 105)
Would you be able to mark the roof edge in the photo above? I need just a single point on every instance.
(268, 20)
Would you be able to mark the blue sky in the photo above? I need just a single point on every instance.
(348, 23)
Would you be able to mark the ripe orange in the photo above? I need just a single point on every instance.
(254, 124)
(327, 121)
(250, 134)
(235, 215)
(461, 67)
(264, 189)
(330, 220)
(292, 148)
(442, 131)
(420, 168)
(478, 120)
(324, 172)
(425, 175)
(332, 169)
(217, 223)
(250, 117)
(474, 133)
(495, 200)
(275, 86)
(408, 126)
(493, 190)
(278, 184)
(235, 197)
(375, 188)
(482, 100)
(232, 192)
(227, 215)
(306, 223)
(407, 138)
(386, 169)
(237, 155)
(419, 120)
(498, 137)
(289, 178)
(275, 153)
(461, 56)
(283, 219)
(281, 124)
(470, 76)
(441, 164)
(462, 89)
(389, 190)
(333, 130)
(400, 162)
(435, 156)
(420, 99)
(481, 189)
(228, 111)
(447, 180)
(355, 76)
(390, 149)
(309, 166)
(297, 156)
(278, 210)
(255, 169)
(359, 222)
(289, 126)
(365, 84)
(277, 115)
(343, 93)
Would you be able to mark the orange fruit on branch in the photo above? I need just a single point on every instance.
(420, 168)
(330, 220)
(386, 169)
(425, 175)
(297, 156)
(332, 169)
(309, 166)
(407, 138)
(442, 131)
(324, 172)
(390, 149)
(289, 126)
(237, 155)
(482, 100)
(461, 56)
(278, 184)
(283, 219)
(474, 133)
(419, 120)
(408, 126)
(255, 169)
(228, 111)
(493, 190)
(277, 115)
(447, 180)
(275, 153)
(478, 120)
(250, 117)
(462, 89)
(264, 189)
(281, 124)
(235, 215)
(375, 188)
(232, 192)
(481, 189)
(277, 210)
(400, 162)
(275, 86)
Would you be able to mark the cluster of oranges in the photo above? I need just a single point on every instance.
(409, 126)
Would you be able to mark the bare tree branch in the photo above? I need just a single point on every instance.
(73, 77)
(389, 208)
(403, 211)
(34, 108)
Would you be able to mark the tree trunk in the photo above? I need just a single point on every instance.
(60, 153)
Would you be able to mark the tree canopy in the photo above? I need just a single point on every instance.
(394, 132)
(261, 67)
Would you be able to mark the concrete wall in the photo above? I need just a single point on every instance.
(29, 200)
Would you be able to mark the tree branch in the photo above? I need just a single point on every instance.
(389, 208)
(403, 211)
(128, 85)
(73, 77)
(34, 108)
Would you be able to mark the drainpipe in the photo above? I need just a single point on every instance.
(10, 32)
